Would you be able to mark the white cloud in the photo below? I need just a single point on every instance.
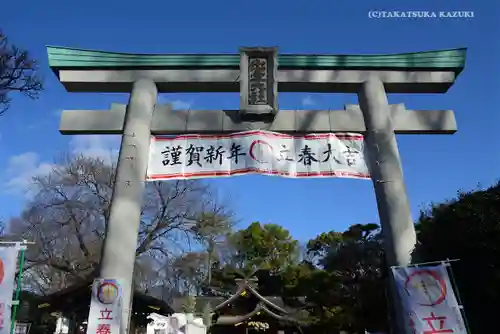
(308, 101)
(20, 172)
(18, 178)
(105, 147)
(177, 104)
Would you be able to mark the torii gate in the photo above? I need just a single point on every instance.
(369, 76)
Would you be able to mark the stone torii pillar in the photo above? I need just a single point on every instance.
(119, 249)
(387, 174)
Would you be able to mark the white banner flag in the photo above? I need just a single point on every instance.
(8, 265)
(105, 307)
(428, 300)
(257, 152)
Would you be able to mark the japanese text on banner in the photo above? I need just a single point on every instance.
(258, 152)
(105, 307)
(429, 300)
(8, 265)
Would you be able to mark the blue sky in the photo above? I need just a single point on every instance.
(435, 167)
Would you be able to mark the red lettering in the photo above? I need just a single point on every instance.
(431, 321)
(103, 329)
(412, 326)
(105, 314)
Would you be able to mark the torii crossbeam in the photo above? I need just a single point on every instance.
(167, 121)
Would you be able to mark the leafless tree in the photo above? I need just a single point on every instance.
(68, 215)
(18, 73)
(190, 271)
(211, 227)
(2, 229)
(186, 272)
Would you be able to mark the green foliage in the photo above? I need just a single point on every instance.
(258, 326)
(467, 228)
(189, 304)
(267, 246)
(357, 248)
(223, 279)
(343, 288)
(210, 226)
(321, 245)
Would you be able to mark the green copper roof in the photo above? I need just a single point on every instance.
(69, 58)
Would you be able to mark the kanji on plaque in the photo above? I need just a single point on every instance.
(257, 81)
(257, 152)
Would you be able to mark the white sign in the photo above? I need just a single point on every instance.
(177, 323)
(105, 307)
(159, 324)
(8, 264)
(257, 152)
(22, 328)
(62, 325)
(428, 300)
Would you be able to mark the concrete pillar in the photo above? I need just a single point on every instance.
(125, 213)
(387, 176)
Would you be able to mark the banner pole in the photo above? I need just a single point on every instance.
(457, 293)
(18, 290)
(425, 263)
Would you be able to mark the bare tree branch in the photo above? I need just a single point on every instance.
(68, 215)
(2, 230)
(17, 73)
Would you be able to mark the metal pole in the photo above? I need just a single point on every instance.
(18, 289)
(457, 293)
(427, 263)
(125, 213)
(387, 176)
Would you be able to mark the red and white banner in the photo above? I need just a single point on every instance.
(428, 300)
(8, 265)
(257, 152)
